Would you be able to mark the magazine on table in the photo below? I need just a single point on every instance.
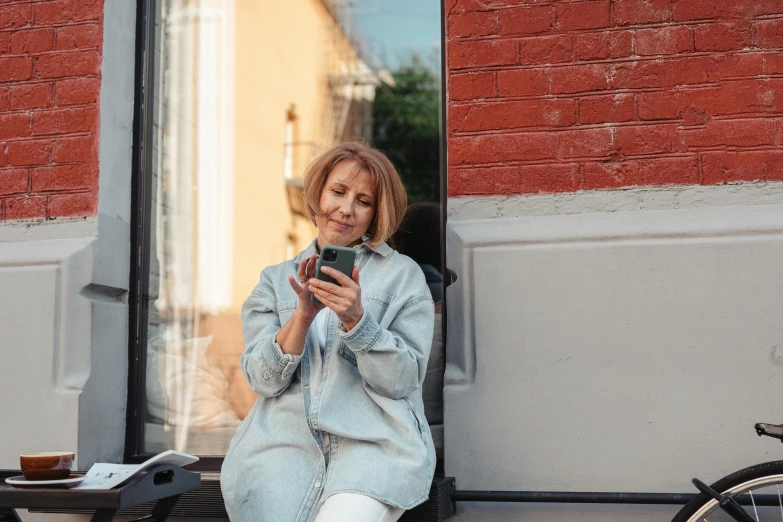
(108, 476)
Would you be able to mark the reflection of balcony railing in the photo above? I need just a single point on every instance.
(294, 188)
(299, 153)
(359, 79)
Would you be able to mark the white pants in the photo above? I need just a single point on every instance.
(353, 507)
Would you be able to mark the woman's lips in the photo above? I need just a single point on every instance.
(341, 225)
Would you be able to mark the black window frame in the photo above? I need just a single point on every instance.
(145, 70)
(141, 192)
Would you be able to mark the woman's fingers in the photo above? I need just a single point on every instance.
(335, 302)
(312, 263)
(294, 285)
(344, 280)
(306, 270)
(331, 288)
(344, 299)
(324, 297)
(301, 272)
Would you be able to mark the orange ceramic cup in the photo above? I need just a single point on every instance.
(55, 465)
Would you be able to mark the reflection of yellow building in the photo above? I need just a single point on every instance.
(252, 92)
(296, 76)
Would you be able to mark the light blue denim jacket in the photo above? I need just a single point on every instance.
(363, 429)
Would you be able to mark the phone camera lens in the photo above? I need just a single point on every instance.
(330, 255)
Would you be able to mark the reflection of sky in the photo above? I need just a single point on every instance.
(395, 29)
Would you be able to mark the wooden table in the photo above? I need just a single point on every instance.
(163, 483)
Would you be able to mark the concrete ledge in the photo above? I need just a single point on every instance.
(675, 197)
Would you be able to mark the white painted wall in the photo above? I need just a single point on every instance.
(608, 350)
(44, 352)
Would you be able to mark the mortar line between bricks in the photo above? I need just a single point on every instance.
(80, 134)
(556, 134)
(44, 137)
(59, 25)
(612, 22)
(57, 192)
(608, 124)
(611, 28)
(578, 160)
(734, 149)
(737, 117)
(563, 96)
(77, 50)
(614, 91)
(489, 102)
(51, 135)
(561, 65)
(581, 160)
(588, 127)
(10, 83)
(574, 95)
(58, 164)
(49, 53)
(616, 61)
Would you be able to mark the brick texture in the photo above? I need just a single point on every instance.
(50, 57)
(566, 95)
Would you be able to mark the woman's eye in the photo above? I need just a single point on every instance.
(338, 192)
(364, 203)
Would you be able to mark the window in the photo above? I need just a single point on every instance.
(232, 94)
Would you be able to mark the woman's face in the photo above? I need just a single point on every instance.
(347, 206)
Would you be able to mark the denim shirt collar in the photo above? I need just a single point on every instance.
(382, 248)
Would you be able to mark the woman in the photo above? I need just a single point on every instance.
(338, 431)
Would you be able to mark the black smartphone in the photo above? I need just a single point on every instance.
(337, 257)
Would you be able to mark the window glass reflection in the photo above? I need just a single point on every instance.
(248, 93)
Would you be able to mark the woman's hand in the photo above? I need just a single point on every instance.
(345, 300)
(305, 273)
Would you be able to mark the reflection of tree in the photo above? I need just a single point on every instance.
(407, 128)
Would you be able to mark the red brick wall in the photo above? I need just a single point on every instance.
(565, 95)
(50, 55)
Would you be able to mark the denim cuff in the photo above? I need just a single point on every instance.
(283, 364)
(363, 335)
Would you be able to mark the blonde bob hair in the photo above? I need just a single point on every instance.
(390, 197)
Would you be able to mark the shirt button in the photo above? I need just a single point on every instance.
(307, 385)
(318, 484)
(315, 431)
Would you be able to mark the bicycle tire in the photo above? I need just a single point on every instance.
(759, 471)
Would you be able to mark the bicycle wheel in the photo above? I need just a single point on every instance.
(759, 484)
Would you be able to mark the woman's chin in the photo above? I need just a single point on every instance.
(340, 240)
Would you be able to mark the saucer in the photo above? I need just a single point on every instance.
(21, 482)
